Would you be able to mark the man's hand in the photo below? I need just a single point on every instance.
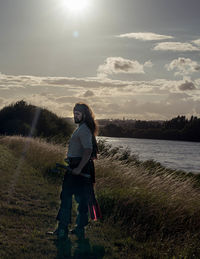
(76, 171)
(85, 158)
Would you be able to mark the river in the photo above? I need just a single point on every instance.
(179, 155)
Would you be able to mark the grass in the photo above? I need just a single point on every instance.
(28, 203)
(150, 203)
(148, 211)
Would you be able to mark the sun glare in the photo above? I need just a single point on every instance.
(76, 6)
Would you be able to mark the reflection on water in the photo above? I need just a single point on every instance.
(180, 155)
(80, 249)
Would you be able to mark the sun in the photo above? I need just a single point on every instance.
(76, 6)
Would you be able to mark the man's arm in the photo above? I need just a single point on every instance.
(85, 158)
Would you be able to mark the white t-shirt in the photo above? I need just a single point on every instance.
(80, 140)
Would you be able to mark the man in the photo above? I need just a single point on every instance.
(81, 152)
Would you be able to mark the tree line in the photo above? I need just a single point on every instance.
(178, 128)
(28, 120)
(25, 119)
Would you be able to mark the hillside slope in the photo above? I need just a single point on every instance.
(29, 195)
(145, 215)
(28, 200)
(25, 119)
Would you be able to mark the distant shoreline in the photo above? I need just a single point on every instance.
(175, 155)
(179, 129)
(181, 140)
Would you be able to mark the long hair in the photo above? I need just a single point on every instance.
(88, 116)
(89, 119)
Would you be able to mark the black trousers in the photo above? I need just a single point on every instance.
(81, 189)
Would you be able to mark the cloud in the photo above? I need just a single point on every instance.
(187, 86)
(145, 36)
(156, 99)
(197, 107)
(78, 87)
(88, 93)
(196, 42)
(178, 96)
(148, 64)
(183, 66)
(91, 82)
(117, 65)
(54, 85)
(176, 46)
(164, 109)
(197, 81)
(1, 101)
(66, 99)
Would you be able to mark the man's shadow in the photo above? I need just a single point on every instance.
(79, 249)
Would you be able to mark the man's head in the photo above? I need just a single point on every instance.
(83, 113)
(78, 117)
(79, 113)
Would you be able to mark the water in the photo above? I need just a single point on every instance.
(179, 155)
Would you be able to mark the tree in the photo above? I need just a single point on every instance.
(29, 120)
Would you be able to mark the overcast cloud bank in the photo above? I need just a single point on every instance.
(156, 99)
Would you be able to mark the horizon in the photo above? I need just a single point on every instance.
(133, 59)
(127, 119)
(108, 119)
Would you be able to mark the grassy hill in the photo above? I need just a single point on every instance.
(25, 119)
(148, 211)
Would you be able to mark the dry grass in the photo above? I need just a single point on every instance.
(162, 207)
(148, 215)
(37, 152)
(28, 206)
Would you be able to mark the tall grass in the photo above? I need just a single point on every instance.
(148, 201)
(155, 211)
(37, 152)
(29, 201)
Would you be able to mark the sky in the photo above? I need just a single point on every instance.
(133, 59)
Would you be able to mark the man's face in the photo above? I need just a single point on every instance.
(78, 116)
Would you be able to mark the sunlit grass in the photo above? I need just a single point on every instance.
(37, 152)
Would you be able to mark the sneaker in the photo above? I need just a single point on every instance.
(52, 233)
(79, 232)
(59, 232)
